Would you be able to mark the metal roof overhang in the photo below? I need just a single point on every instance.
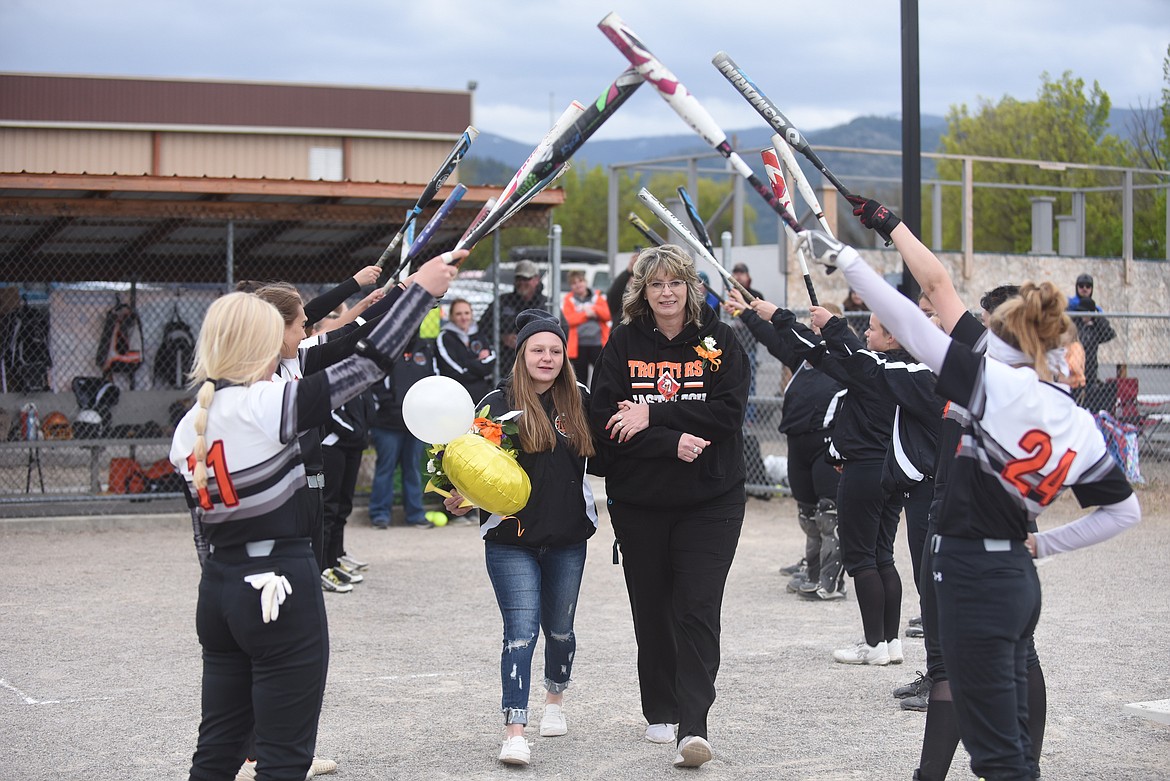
(82, 227)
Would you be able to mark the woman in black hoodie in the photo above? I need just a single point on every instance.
(668, 408)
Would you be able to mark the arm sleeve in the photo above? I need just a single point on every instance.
(313, 397)
(1101, 524)
(331, 299)
(898, 314)
(764, 333)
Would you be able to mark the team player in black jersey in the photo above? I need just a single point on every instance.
(264, 666)
(933, 690)
(811, 401)
(1026, 442)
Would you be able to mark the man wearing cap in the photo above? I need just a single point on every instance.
(1092, 332)
(526, 294)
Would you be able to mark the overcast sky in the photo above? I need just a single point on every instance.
(822, 62)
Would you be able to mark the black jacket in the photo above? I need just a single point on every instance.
(866, 421)
(417, 362)
(640, 364)
(458, 357)
(898, 376)
(811, 398)
(349, 424)
(560, 510)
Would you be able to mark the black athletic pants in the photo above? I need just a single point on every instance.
(257, 677)
(676, 561)
(867, 517)
(988, 606)
(341, 474)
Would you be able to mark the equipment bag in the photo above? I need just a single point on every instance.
(25, 361)
(175, 354)
(126, 476)
(120, 347)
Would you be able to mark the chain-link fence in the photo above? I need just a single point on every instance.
(1133, 383)
(64, 332)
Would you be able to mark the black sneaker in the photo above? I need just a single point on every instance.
(795, 568)
(799, 583)
(919, 687)
(915, 703)
(914, 631)
(915, 621)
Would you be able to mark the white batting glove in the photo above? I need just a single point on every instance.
(826, 250)
(273, 590)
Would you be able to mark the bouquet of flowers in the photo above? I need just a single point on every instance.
(482, 466)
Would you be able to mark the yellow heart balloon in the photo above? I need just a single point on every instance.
(486, 475)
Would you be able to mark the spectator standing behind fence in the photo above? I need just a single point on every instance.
(668, 408)
(587, 314)
(464, 353)
(1092, 332)
(526, 294)
(536, 557)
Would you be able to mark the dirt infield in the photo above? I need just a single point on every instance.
(99, 667)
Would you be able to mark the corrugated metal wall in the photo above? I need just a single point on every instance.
(248, 156)
(74, 151)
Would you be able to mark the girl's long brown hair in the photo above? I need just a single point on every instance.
(536, 431)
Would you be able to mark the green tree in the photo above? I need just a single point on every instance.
(1065, 123)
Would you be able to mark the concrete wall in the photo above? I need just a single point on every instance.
(1140, 340)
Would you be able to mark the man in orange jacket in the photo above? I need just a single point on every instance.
(587, 314)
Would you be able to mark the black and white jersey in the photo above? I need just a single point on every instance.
(1026, 443)
(255, 469)
(811, 397)
(911, 385)
(865, 422)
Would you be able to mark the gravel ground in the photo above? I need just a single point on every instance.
(99, 668)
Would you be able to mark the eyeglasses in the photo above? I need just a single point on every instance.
(658, 286)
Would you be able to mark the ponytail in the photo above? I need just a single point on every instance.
(1033, 322)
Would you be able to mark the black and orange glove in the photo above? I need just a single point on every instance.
(874, 216)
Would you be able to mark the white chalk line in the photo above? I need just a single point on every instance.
(34, 701)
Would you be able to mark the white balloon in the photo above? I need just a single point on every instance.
(438, 409)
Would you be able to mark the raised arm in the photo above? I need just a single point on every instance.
(927, 269)
(898, 314)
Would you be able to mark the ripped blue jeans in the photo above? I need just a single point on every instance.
(535, 588)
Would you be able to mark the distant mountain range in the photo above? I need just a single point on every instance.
(862, 133)
(493, 159)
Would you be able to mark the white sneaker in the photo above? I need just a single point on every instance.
(357, 565)
(864, 654)
(660, 733)
(515, 751)
(552, 722)
(894, 648)
(321, 767)
(247, 771)
(692, 752)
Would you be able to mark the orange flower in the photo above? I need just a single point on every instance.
(709, 353)
(490, 430)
